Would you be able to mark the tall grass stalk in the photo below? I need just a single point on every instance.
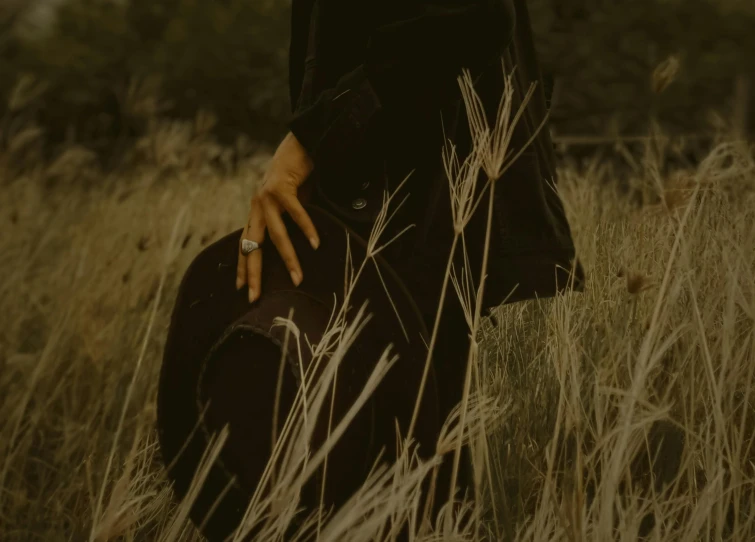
(561, 396)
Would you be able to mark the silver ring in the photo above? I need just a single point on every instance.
(247, 246)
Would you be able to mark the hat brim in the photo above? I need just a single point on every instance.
(208, 305)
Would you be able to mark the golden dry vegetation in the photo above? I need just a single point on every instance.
(565, 393)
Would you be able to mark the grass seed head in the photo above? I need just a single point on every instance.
(665, 74)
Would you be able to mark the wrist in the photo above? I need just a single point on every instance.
(301, 151)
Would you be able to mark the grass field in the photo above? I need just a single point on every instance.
(662, 342)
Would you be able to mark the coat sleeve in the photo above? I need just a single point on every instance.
(413, 59)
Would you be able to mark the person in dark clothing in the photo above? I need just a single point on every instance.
(374, 94)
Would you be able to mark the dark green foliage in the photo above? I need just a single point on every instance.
(603, 52)
(9, 49)
(105, 63)
(229, 57)
(86, 61)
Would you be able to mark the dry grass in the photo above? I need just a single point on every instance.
(567, 390)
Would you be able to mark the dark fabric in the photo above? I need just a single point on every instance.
(217, 341)
(382, 100)
(531, 249)
(393, 54)
(366, 136)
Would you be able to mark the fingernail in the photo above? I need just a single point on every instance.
(296, 278)
(251, 296)
(314, 242)
(239, 283)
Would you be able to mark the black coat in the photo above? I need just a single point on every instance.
(373, 91)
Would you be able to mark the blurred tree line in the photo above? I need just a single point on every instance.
(602, 54)
(98, 71)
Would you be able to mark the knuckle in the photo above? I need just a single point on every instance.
(264, 189)
(274, 235)
(282, 188)
(268, 198)
(297, 209)
(278, 233)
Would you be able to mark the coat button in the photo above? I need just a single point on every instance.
(365, 185)
(359, 203)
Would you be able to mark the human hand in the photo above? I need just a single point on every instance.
(289, 169)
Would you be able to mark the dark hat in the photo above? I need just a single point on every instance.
(222, 364)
